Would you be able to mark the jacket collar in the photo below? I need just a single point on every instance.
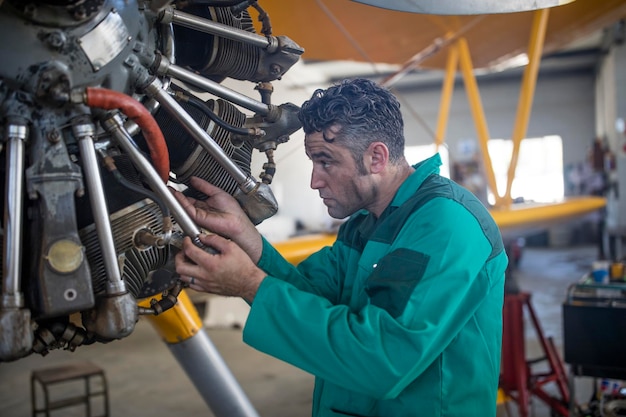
(423, 170)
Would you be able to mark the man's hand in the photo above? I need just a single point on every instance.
(230, 272)
(220, 213)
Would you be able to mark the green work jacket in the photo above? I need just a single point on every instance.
(402, 315)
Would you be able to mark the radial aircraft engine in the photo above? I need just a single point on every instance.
(103, 105)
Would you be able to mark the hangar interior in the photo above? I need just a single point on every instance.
(579, 104)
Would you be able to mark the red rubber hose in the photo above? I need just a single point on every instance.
(109, 99)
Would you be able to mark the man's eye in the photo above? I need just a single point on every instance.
(325, 164)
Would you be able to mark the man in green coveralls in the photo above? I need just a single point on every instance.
(402, 315)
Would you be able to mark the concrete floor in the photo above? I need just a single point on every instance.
(146, 380)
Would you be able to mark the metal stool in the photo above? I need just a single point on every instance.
(82, 372)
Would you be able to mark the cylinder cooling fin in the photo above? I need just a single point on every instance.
(190, 159)
(215, 56)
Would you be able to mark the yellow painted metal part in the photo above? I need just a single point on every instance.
(527, 92)
(446, 94)
(178, 323)
(502, 397)
(461, 51)
(527, 215)
(478, 113)
(517, 218)
(298, 248)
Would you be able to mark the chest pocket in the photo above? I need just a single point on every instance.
(394, 279)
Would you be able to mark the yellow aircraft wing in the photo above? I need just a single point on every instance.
(524, 216)
(298, 248)
(518, 220)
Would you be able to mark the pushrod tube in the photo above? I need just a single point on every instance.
(16, 336)
(217, 89)
(154, 90)
(85, 132)
(208, 26)
(13, 216)
(115, 126)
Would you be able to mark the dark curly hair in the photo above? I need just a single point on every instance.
(365, 112)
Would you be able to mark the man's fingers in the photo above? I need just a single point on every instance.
(204, 186)
(185, 265)
(215, 241)
(200, 256)
(186, 202)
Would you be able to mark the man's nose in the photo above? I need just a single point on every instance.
(316, 182)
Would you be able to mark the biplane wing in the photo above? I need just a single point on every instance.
(347, 30)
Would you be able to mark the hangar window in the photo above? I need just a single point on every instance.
(539, 173)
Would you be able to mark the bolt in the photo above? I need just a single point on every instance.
(275, 69)
(55, 40)
(79, 13)
(54, 136)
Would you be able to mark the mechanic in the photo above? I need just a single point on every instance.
(402, 315)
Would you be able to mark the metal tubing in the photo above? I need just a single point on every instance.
(208, 26)
(115, 126)
(13, 218)
(181, 329)
(478, 114)
(211, 376)
(527, 92)
(85, 133)
(154, 90)
(446, 94)
(219, 90)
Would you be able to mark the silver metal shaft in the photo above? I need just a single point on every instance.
(115, 126)
(217, 89)
(246, 183)
(207, 26)
(84, 133)
(13, 217)
(211, 376)
(16, 336)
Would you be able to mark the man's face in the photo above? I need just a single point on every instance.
(343, 187)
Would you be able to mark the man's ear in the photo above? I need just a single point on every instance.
(379, 157)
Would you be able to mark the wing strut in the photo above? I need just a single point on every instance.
(527, 92)
(446, 95)
(459, 52)
(478, 113)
